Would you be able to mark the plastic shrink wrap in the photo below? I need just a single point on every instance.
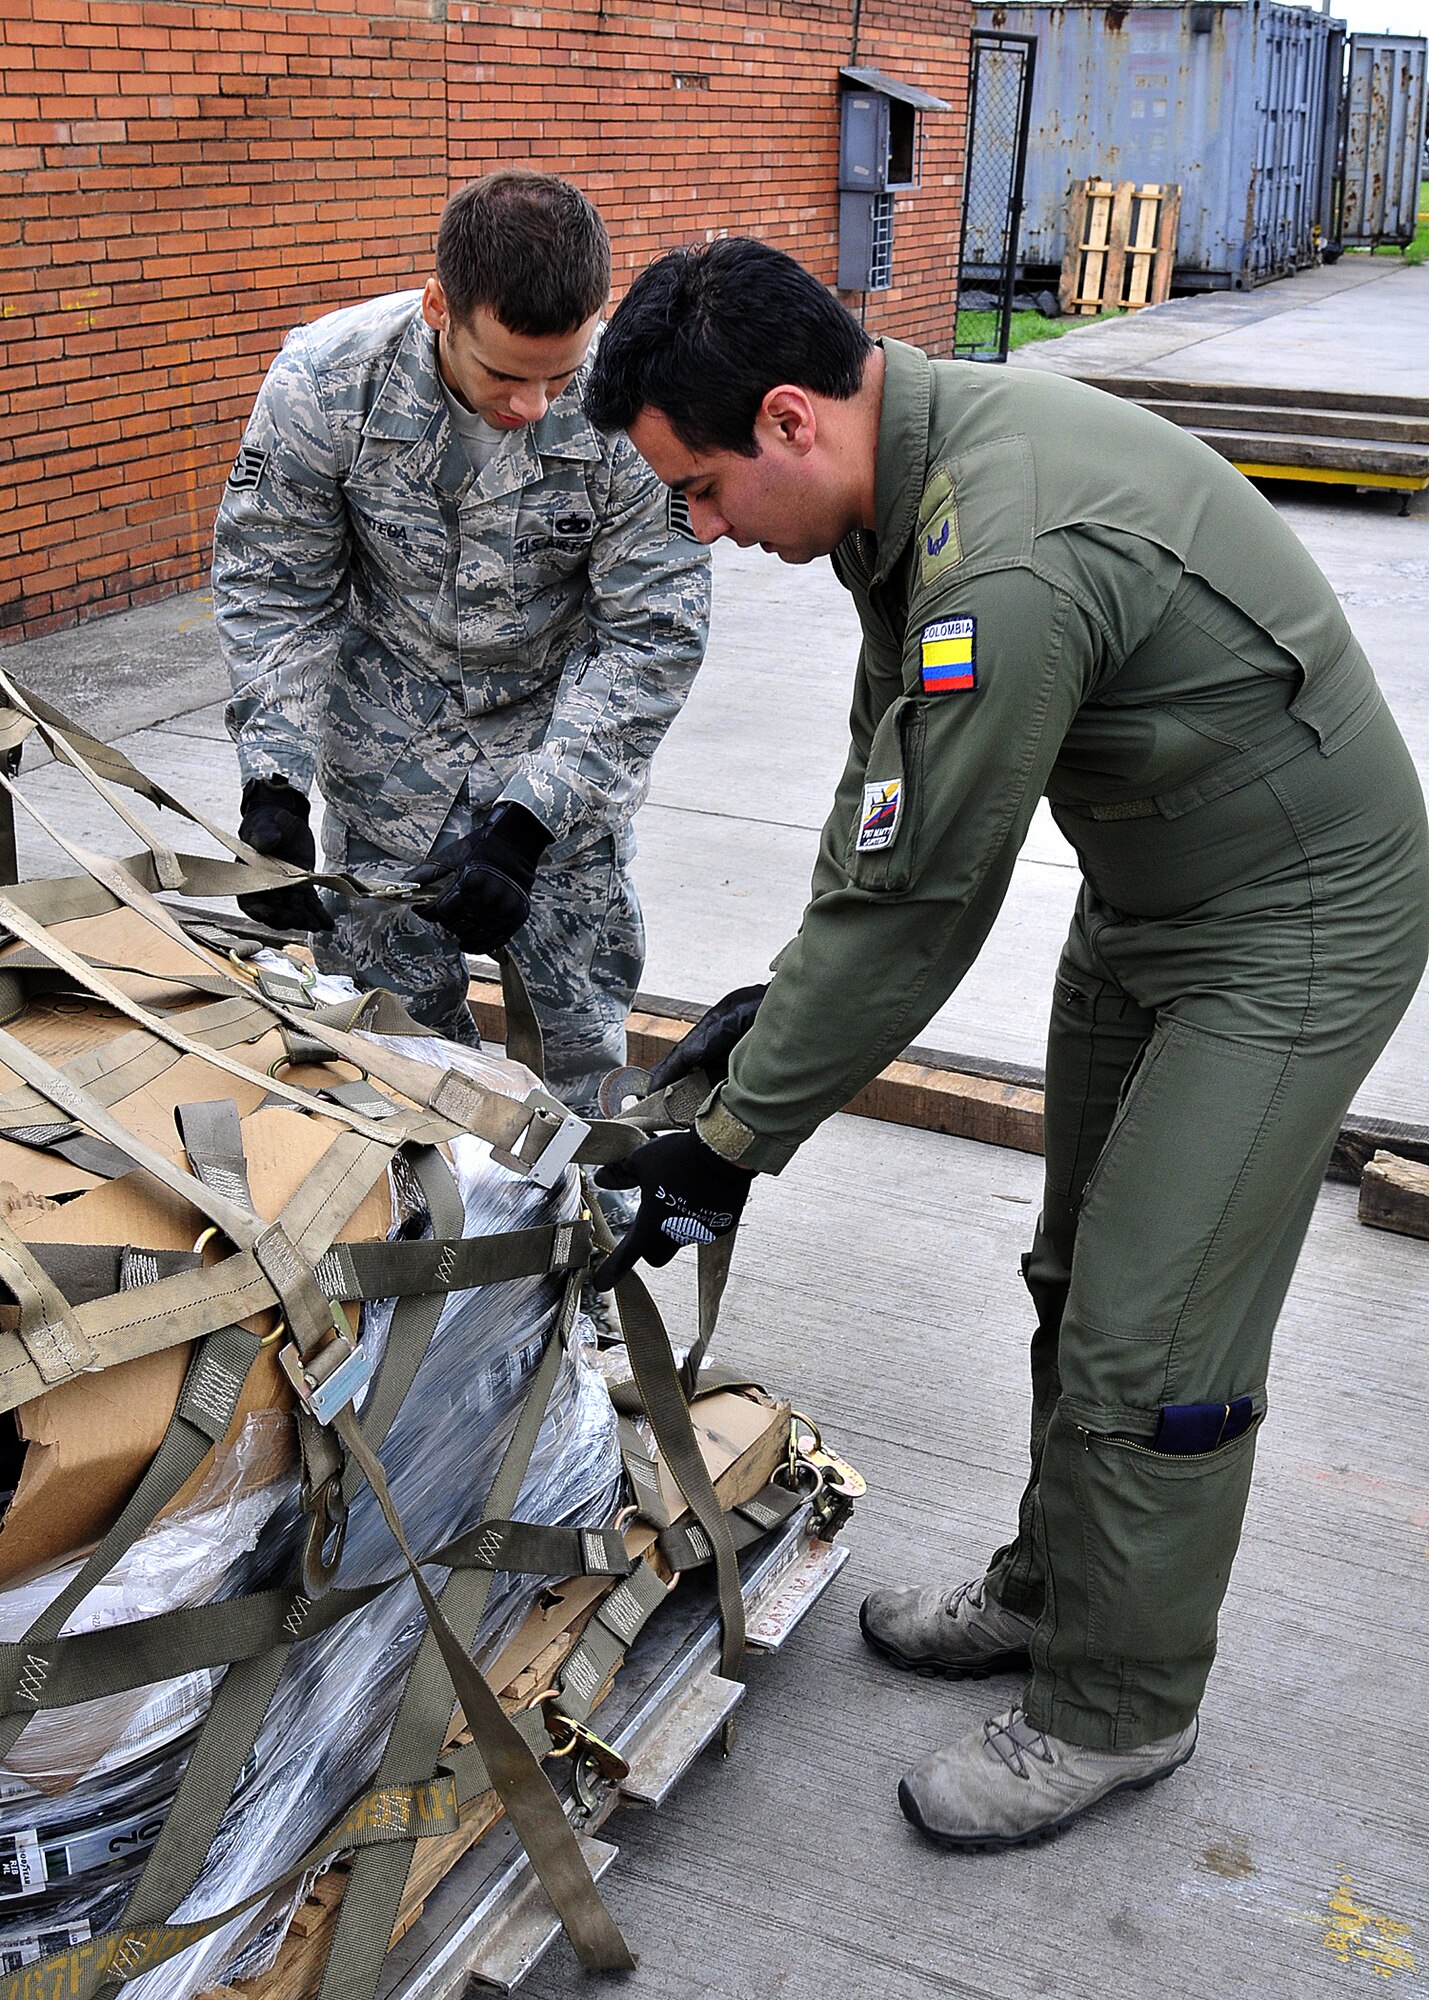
(85, 1790)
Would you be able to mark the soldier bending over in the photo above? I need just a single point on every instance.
(441, 592)
(1059, 594)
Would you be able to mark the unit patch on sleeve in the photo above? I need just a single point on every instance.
(677, 516)
(878, 822)
(248, 468)
(939, 544)
(949, 655)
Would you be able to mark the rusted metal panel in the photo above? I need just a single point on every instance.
(1384, 136)
(1235, 101)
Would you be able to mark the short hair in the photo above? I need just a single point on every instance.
(704, 334)
(528, 247)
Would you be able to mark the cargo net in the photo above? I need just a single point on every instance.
(305, 1418)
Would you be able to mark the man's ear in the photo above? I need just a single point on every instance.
(434, 305)
(788, 416)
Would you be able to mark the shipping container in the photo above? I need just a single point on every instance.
(1237, 101)
(1384, 139)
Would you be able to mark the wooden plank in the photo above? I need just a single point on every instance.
(1168, 223)
(1141, 249)
(1119, 230)
(1196, 413)
(1394, 1194)
(1069, 287)
(1348, 455)
(528, 1663)
(1158, 388)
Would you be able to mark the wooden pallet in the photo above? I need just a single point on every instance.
(1121, 246)
(743, 1436)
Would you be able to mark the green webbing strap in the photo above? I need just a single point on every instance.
(714, 1260)
(95, 982)
(48, 1331)
(524, 1043)
(103, 766)
(369, 1908)
(119, 1068)
(687, 1546)
(86, 1666)
(390, 1813)
(648, 1346)
(539, 1550)
(213, 1140)
(617, 1622)
(643, 1472)
(192, 1822)
(207, 1401)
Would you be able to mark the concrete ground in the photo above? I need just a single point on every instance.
(1358, 325)
(876, 1283)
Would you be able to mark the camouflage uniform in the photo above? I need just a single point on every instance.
(423, 641)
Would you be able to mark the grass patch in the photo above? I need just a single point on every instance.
(979, 329)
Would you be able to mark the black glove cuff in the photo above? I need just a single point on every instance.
(514, 835)
(276, 795)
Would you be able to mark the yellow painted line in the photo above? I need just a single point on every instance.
(1356, 1932)
(1402, 482)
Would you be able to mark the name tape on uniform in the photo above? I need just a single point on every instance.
(878, 822)
(949, 655)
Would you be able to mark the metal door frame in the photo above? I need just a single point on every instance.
(981, 39)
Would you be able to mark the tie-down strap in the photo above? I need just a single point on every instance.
(357, 1271)
(112, 1660)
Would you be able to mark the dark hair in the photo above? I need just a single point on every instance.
(704, 334)
(528, 247)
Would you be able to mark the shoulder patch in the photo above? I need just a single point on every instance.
(677, 515)
(939, 544)
(949, 655)
(248, 468)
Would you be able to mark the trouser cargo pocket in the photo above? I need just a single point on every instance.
(1141, 1545)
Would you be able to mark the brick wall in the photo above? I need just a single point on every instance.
(182, 184)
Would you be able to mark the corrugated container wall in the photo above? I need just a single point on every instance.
(1232, 100)
(1384, 137)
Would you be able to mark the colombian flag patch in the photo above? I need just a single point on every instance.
(949, 655)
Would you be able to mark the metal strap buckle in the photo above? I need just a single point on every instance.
(567, 1134)
(329, 1379)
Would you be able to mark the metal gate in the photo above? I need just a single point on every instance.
(999, 112)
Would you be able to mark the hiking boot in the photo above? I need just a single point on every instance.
(1007, 1784)
(962, 1635)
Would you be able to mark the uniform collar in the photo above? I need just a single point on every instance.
(410, 407)
(902, 450)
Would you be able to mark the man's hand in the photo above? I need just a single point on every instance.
(488, 897)
(711, 1042)
(275, 821)
(688, 1194)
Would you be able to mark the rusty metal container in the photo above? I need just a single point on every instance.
(1384, 137)
(1238, 101)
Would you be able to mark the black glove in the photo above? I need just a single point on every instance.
(275, 821)
(489, 895)
(688, 1194)
(710, 1043)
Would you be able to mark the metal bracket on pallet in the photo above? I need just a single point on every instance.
(678, 1733)
(503, 1932)
(793, 1592)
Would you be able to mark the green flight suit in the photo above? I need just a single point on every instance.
(1066, 595)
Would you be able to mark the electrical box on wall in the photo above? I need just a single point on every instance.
(880, 146)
